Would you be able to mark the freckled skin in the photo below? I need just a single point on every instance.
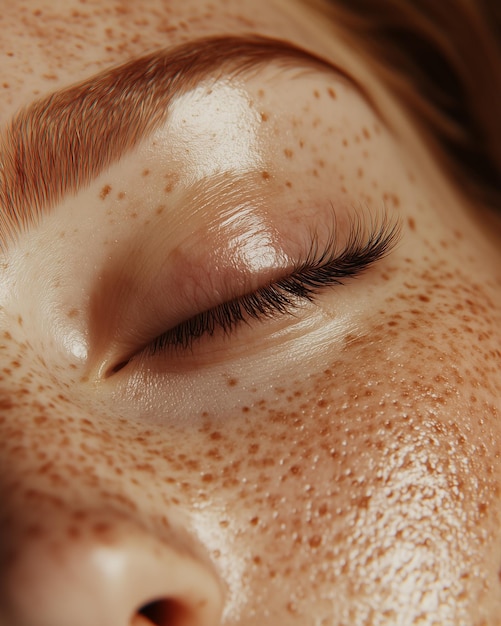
(340, 469)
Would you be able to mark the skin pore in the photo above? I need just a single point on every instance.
(336, 464)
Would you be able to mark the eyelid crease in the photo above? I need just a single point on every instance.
(325, 265)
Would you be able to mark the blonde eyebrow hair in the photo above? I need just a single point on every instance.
(62, 142)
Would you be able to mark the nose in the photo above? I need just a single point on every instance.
(107, 575)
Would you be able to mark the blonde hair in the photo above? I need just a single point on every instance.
(441, 60)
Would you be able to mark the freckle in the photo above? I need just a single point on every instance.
(264, 117)
(323, 510)
(121, 195)
(260, 93)
(482, 508)
(72, 313)
(215, 436)
(360, 172)
(5, 85)
(254, 521)
(101, 528)
(232, 382)
(391, 197)
(19, 320)
(146, 172)
(412, 223)
(245, 409)
(73, 532)
(291, 607)
(316, 93)
(345, 142)
(315, 541)
(301, 143)
(366, 133)
(133, 215)
(288, 153)
(35, 531)
(105, 191)
(288, 183)
(423, 298)
(343, 189)
(332, 93)
(265, 175)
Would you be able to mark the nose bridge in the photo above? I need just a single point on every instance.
(76, 551)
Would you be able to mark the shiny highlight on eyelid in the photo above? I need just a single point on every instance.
(250, 240)
(325, 265)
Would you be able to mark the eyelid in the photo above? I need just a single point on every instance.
(197, 257)
(325, 266)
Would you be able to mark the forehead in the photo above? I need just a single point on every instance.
(47, 45)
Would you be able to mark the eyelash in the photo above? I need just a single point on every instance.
(319, 270)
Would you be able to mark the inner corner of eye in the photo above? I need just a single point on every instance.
(111, 366)
(121, 356)
(115, 369)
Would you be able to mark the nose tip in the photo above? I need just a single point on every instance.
(131, 580)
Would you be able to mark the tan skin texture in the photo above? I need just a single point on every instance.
(339, 466)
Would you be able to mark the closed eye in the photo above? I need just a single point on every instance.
(322, 268)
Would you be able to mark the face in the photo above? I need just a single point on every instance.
(250, 334)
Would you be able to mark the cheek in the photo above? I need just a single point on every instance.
(375, 482)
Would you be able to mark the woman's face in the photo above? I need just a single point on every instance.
(250, 336)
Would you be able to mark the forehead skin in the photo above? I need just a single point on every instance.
(360, 485)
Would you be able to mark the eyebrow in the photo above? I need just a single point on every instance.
(60, 143)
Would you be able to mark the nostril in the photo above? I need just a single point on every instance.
(110, 573)
(165, 613)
